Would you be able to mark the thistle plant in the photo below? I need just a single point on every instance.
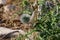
(48, 24)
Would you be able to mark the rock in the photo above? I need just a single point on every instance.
(2, 1)
(8, 33)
